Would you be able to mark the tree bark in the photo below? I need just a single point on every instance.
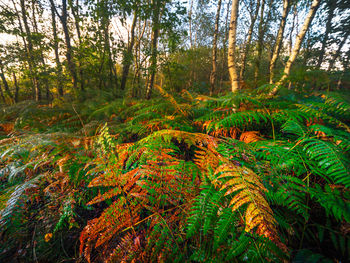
(44, 73)
(332, 6)
(31, 58)
(4, 81)
(57, 56)
(262, 30)
(224, 44)
(259, 43)
(279, 38)
(214, 51)
(190, 22)
(231, 57)
(154, 46)
(299, 40)
(75, 12)
(2, 94)
(16, 86)
(129, 54)
(63, 18)
(249, 39)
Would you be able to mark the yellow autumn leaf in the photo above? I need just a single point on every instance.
(48, 237)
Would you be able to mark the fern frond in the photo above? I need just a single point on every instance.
(12, 196)
(245, 188)
(329, 159)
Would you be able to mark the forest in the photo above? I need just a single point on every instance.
(175, 131)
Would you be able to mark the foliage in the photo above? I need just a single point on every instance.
(186, 178)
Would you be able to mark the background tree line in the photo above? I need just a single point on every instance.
(125, 48)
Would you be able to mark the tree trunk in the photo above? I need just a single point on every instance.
(154, 47)
(299, 40)
(224, 44)
(75, 12)
(259, 43)
(262, 31)
(16, 86)
(44, 74)
(57, 56)
(2, 94)
(141, 32)
(279, 38)
(31, 59)
(332, 7)
(214, 52)
(129, 54)
(231, 57)
(69, 52)
(190, 22)
(112, 72)
(337, 53)
(249, 39)
(4, 81)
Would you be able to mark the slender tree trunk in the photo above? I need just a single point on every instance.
(337, 53)
(307, 49)
(214, 52)
(224, 44)
(57, 56)
(69, 52)
(16, 86)
(299, 40)
(4, 81)
(129, 55)
(295, 15)
(332, 7)
(44, 73)
(190, 22)
(75, 12)
(259, 43)
(279, 38)
(141, 32)
(249, 39)
(262, 31)
(154, 47)
(32, 76)
(31, 59)
(231, 58)
(2, 94)
(112, 72)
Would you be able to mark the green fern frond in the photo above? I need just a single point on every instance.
(10, 198)
(329, 158)
(333, 202)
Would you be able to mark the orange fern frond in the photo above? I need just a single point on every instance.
(250, 136)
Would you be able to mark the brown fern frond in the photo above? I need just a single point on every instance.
(151, 190)
(250, 136)
(129, 249)
(225, 132)
(181, 108)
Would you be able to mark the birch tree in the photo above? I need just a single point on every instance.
(214, 50)
(279, 38)
(232, 57)
(253, 17)
(298, 42)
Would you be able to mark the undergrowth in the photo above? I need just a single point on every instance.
(236, 178)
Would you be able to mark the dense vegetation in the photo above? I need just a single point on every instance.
(194, 136)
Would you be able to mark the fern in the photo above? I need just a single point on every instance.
(329, 158)
(12, 196)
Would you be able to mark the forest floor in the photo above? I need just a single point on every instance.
(186, 178)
